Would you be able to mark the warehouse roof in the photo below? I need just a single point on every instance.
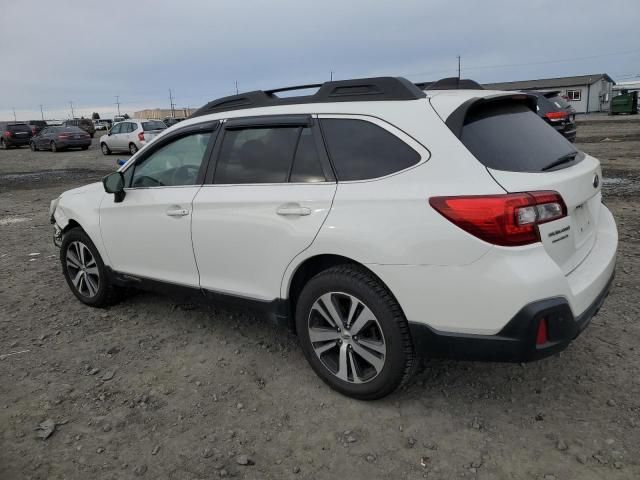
(549, 82)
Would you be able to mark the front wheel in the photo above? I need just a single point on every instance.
(354, 334)
(133, 148)
(84, 270)
(105, 149)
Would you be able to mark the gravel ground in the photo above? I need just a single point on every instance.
(152, 388)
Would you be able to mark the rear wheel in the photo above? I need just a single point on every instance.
(105, 149)
(3, 145)
(133, 148)
(84, 270)
(33, 146)
(54, 147)
(354, 334)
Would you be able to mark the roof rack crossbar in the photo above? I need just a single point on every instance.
(356, 90)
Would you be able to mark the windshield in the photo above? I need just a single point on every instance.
(153, 125)
(510, 137)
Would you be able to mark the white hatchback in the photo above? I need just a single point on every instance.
(380, 222)
(130, 135)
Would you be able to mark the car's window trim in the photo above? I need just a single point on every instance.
(205, 127)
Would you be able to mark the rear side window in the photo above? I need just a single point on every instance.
(268, 155)
(510, 137)
(361, 150)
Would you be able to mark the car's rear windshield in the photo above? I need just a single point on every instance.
(559, 102)
(18, 127)
(509, 136)
(72, 129)
(153, 125)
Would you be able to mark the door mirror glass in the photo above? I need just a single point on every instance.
(114, 183)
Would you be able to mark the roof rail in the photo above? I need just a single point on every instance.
(451, 83)
(355, 90)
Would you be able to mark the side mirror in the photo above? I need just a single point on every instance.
(114, 183)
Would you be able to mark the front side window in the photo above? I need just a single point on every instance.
(174, 164)
(268, 155)
(361, 150)
(116, 129)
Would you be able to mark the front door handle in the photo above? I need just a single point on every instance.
(177, 212)
(293, 209)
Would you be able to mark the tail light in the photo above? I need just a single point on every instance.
(508, 220)
(63, 135)
(33, 130)
(141, 136)
(555, 116)
(542, 335)
(8, 133)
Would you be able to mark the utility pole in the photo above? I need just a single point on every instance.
(72, 114)
(118, 103)
(331, 77)
(14, 114)
(458, 67)
(236, 87)
(41, 113)
(173, 112)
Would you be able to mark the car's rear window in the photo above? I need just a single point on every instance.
(155, 125)
(510, 137)
(72, 129)
(559, 102)
(19, 127)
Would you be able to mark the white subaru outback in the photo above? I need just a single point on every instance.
(380, 222)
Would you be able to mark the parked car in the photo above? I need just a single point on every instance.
(36, 126)
(130, 135)
(449, 223)
(557, 112)
(61, 138)
(100, 125)
(85, 124)
(171, 121)
(14, 134)
(119, 118)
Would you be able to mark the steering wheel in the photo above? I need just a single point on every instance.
(146, 181)
(184, 175)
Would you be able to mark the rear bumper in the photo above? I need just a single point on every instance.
(516, 342)
(73, 143)
(17, 142)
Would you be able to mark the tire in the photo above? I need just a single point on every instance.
(33, 147)
(344, 363)
(92, 135)
(54, 147)
(133, 148)
(84, 271)
(105, 149)
(3, 146)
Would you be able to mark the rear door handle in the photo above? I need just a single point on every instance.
(177, 212)
(293, 209)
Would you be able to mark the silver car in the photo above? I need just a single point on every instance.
(130, 135)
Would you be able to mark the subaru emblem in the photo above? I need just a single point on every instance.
(596, 181)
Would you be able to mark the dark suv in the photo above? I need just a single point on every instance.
(557, 113)
(84, 123)
(14, 134)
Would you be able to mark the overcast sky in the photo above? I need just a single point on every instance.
(54, 52)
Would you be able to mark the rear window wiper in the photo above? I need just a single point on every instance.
(569, 157)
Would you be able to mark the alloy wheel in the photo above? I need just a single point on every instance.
(83, 269)
(347, 337)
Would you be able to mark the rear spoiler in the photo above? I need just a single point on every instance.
(455, 121)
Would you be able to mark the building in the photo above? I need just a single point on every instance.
(632, 86)
(585, 93)
(160, 113)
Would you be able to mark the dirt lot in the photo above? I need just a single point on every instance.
(156, 389)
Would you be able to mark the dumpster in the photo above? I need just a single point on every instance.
(626, 102)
